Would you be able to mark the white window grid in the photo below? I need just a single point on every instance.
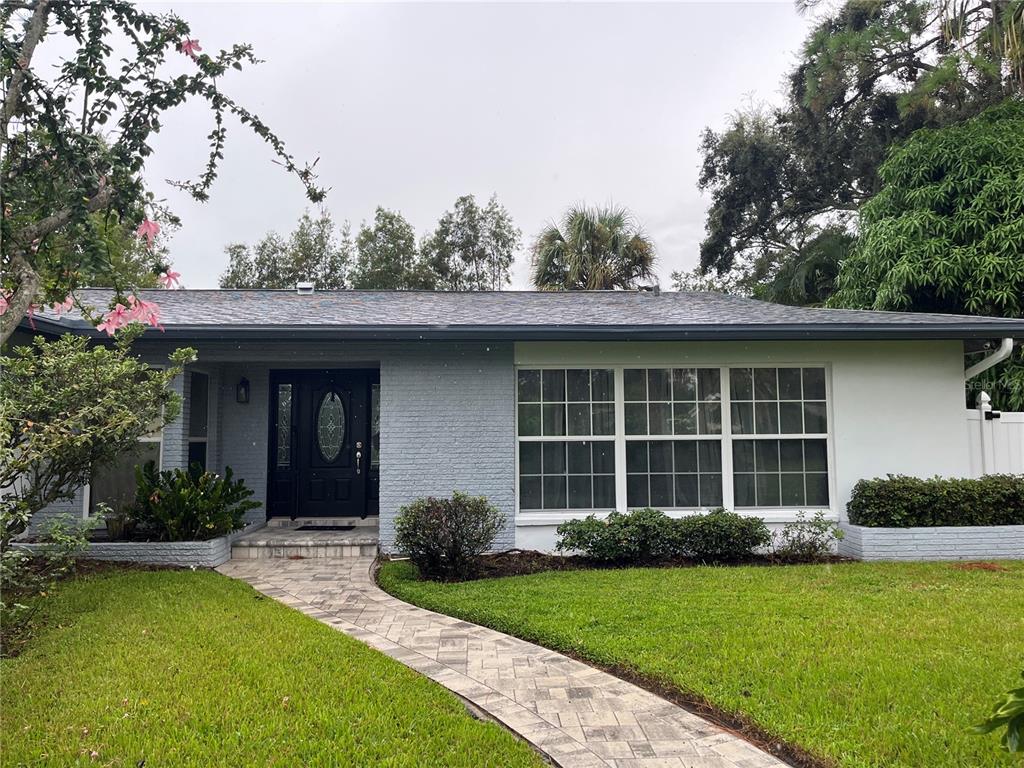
(726, 438)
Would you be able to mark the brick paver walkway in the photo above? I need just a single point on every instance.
(580, 717)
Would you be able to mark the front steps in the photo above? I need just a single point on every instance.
(280, 539)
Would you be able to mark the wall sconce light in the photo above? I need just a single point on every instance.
(242, 391)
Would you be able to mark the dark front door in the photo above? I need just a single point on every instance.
(320, 458)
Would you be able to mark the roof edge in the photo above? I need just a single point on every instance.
(722, 332)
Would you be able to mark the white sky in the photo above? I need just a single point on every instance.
(409, 106)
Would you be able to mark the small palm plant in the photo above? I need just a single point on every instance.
(1008, 713)
(593, 249)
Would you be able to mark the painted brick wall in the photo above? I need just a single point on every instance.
(938, 543)
(447, 423)
(242, 429)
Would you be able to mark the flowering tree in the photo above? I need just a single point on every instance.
(75, 145)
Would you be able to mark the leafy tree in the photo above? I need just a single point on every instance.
(314, 252)
(805, 276)
(869, 75)
(593, 249)
(386, 256)
(472, 248)
(946, 231)
(75, 145)
(68, 406)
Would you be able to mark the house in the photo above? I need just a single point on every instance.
(349, 404)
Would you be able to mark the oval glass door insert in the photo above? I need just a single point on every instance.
(330, 426)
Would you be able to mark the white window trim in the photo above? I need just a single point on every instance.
(769, 514)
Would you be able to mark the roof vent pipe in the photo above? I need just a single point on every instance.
(1004, 351)
(304, 288)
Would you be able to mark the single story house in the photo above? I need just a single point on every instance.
(350, 404)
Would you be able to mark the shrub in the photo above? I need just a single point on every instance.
(806, 541)
(640, 536)
(903, 502)
(189, 505)
(68, 406)
(721, 536)
(443, 537)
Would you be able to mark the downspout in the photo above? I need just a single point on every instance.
(1004, 351)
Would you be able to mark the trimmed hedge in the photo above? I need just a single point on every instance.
(898, 501)
(649, 535)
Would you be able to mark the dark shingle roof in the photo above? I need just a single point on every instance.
(533, 315)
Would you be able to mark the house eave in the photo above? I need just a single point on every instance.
(703, 332)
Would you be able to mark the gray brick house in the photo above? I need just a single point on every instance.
(349, 404)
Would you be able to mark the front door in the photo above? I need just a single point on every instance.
(320, 443)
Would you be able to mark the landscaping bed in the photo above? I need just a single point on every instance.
(856, 665)
(200, 554)
(171, 667)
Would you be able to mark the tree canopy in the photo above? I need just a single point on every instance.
(472, 248)
(945, 233)
(386, 255)
(75, 144)
(316, 251)
(592, 249)
(869, 75)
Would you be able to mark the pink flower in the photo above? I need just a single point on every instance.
(4, 304)
(116, 318)
(169, 279)
(143, 312)
(148, 230)
(61, 307)
(189, 47)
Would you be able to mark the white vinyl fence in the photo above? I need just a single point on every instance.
(996, 440)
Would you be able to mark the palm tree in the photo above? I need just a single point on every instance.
(595, 249)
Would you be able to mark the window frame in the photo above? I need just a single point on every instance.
(726, 438)
(156, 436)
(189, 438)
(566, 438)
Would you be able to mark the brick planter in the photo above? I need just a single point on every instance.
(201, 554)
(995, 542)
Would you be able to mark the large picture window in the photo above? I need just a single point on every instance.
(624, 437)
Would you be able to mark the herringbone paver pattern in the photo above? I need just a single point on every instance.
(579, 716)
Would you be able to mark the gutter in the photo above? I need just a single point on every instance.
(696, 332)
(1004, 351)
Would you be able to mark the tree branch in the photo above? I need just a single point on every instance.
(33, 34)
(26, 279)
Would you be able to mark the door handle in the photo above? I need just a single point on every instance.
(359, 462)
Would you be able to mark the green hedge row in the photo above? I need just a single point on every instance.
(898, 501)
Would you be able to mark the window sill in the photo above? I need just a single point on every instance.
(768, 515)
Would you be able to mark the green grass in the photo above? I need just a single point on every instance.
(863, 664)
(193, 669)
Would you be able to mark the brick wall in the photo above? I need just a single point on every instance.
(447, 423)
(938, 543)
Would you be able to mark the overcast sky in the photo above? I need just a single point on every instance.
(409, 106)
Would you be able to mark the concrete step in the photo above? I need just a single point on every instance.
(287, 522)
(301, 551)
(286, 542)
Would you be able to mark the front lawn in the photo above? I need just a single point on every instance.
(174, 668)
(866, 664)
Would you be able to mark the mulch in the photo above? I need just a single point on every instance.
(521, 562)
